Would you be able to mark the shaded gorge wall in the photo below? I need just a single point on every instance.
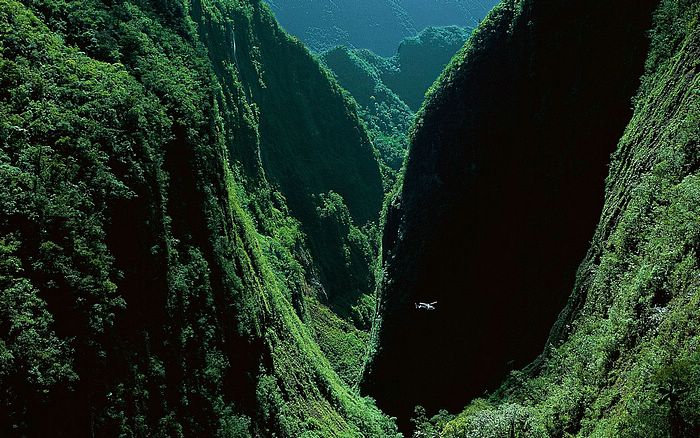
(502, 190)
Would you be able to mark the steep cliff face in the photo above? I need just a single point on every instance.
(310, 144)
(298, 119)
(623, 359)
(152, 281)
(501, 192)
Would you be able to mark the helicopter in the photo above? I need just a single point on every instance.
(426, 306)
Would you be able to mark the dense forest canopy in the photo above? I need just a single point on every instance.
(389, 90)
(154, 280)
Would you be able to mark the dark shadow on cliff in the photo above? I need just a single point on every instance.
(502, 191)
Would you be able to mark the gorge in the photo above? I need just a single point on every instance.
(207, 229)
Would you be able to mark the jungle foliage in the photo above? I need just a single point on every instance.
(389, 90)
(509, 152)
(192, 240)
(622, 358)
(153, 281)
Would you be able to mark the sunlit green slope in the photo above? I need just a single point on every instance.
(152, 282)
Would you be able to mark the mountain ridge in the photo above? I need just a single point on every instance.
(323, 25)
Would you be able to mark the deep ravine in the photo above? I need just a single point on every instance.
(203, 234)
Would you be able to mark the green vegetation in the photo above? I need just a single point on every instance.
(624, 357)
(380, 86)
(386, 116)
(189, 210)
(418, 62)
(152, 282)
(509, 151)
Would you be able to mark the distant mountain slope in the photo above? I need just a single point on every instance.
(501, 192)
(382, 86)
(378, 25)
(313, 146)
(387, 117)
(419, 61)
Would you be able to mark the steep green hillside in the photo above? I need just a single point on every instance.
(377, 25)
(311, 146)
(624, 357)
(419, 61)
(501, 193)
(386, 116)
(189, 204)
(152, 283)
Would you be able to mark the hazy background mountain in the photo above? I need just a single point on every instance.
(378, 25)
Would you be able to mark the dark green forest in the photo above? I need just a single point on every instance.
(622, 359)
(154, 279)
(208, 228)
